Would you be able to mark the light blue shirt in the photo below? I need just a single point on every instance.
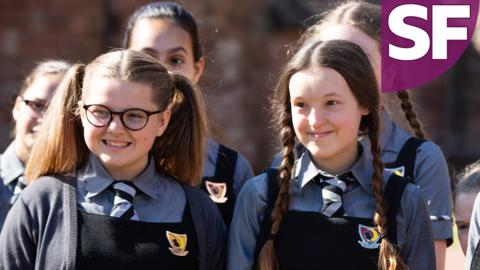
(414, 236)
(11, 168)
(162, 199)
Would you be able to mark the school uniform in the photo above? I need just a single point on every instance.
(472, 258)
(65, 223)
(303, 225)
(11, 176)
(420, 160)
(224, 174)
(429, 172)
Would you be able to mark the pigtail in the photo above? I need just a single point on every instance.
(267, 259)
(388, 258)
(60, 147)
(180, 150)
(410, 114)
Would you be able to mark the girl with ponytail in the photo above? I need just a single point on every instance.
(408, 153)
(112, 174)
(334, 207)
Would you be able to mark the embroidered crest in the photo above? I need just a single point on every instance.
(400, 171)
(369, 236)
(178, 243)
(217, 191)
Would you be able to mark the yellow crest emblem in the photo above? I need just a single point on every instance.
(178, 243)
(217, 191)
(400, 171)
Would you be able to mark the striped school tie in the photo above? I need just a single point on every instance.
(333, 188)
(122, 203)
(19, 186)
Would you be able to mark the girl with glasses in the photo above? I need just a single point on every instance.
(169, 32)
(333, 207)
(113, 175)
(30, 104)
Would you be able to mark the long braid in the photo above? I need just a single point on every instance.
(267, 259)
(410, 114)
(388, 258)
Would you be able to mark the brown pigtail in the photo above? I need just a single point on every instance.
(410, 114)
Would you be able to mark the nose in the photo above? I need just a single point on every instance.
(316, 117)
(116, 124)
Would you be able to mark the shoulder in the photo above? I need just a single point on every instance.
(46, 189)
(429, 150)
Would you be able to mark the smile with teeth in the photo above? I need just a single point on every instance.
(116, 144)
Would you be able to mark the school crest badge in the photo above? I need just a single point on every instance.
(178, 243)
(217, 191)
(400, 171)
(369, 237)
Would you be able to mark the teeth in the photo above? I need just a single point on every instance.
(114, 144)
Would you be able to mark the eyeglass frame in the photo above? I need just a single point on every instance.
(120, 114)
(29, 104)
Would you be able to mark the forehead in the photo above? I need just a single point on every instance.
(42, 87)
(159, 34)
(316, 82)
(119, 94)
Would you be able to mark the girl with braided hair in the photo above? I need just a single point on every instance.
(334, 207)
(408, 155)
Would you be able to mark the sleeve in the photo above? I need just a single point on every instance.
(243, 172)
(473, 233)
(17, 241)
(414, 233)
(245, 227)
(431, 175)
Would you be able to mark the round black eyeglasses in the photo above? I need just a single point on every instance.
(133, 119)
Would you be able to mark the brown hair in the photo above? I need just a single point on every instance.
(178, 153)
(367, 18)
(349, 60)
(468, 180)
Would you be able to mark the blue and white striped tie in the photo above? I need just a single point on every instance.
(333, 188)
(122, 203)
(19, 186)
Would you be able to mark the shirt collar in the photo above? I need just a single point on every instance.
(306, 170)
(11, 166)
(98, 179)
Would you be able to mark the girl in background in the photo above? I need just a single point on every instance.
(327, 209)
(115, 168)
(169, 32)
(30, 104)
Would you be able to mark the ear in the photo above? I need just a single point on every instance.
(81, 112)
(364, 111)
(164, 118)
(198, 70)
(16, 109)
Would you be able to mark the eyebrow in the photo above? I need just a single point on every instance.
(177, 49)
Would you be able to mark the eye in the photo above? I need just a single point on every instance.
(135, 115)
(37, 106)
(176, 61)
(332, 102)
(463, 226)
(99, 112)
(299, 104)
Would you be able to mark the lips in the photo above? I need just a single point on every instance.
(319, 135)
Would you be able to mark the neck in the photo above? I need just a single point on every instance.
(22, 153)
(338, 164)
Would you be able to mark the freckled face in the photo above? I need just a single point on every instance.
(325, 114)
(123, 152)
(463, 211)
(169, 43)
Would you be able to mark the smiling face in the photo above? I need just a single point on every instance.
(27, 118)
(169, 43)
(463, 211)
(123, 152)
(326, 117)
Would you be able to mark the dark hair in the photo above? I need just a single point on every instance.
(367, 18)
(171, 11)
(350, 61)
(468, 180)
(178, 153)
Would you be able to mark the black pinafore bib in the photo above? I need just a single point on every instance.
(310, 240)
(111, 243)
